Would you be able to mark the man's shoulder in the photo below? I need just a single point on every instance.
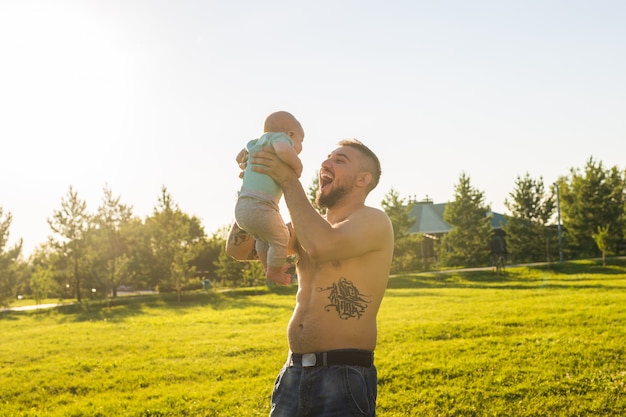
(373, 213)
(373, 219)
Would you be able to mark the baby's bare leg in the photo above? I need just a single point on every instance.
(263, 258)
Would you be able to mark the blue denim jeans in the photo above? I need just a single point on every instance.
(333, 391)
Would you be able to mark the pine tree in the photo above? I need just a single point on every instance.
(399, 212)
(9, 258)
(527, 232)
(467, 244)
(592, 199)
(71, 224)
(111, 250)
(175, 242)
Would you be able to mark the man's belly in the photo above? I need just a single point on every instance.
(310, 331)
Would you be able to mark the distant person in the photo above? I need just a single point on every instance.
(497, 247)
(257, 210)
(343, 267)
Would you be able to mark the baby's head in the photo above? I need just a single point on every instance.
(282, 121)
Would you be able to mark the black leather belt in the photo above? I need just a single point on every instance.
(350, 357)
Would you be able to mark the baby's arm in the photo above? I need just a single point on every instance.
(242, 160)
(242, 156)
(288, 155)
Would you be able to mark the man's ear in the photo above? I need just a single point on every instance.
(364, 179)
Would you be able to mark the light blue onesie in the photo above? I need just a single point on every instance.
(257, 209)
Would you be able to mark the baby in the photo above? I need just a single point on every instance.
(257, 210)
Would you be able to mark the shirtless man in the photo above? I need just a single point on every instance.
(343, 269)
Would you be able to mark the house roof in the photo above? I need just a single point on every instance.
(429, 219)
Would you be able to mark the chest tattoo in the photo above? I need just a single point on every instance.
(346, 299)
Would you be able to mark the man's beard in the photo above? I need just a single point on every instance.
(329, 200)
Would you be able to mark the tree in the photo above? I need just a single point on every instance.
(175, 238)
(526, 228)
(603, 240)
(9, 260)
(399, 212)
(407, 254)
(41, 282)
(71, 224)
(406, 246)
(139, 269)
(312, 193)
(253, 273)
(45, 259)
(467, 243)
(110, 245)
(208, 253)
(228, 269)
(591, 199)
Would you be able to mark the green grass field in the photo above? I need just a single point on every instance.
(532, 342)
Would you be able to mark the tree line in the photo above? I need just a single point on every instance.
(580, 215)
(94, 255)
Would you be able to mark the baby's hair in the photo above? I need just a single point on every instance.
(281, 121)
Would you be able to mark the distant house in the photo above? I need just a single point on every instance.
(429, 222)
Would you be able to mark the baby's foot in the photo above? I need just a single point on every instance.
(278, 275)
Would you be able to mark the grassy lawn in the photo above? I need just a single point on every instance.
(533, 342)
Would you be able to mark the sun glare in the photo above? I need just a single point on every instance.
(64, 69)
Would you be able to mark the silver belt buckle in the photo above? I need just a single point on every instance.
(308, 359)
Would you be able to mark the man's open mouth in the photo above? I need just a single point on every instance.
(325, 179)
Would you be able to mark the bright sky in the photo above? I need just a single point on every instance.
(142, 94)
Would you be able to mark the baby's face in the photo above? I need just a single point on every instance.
(297, 136)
